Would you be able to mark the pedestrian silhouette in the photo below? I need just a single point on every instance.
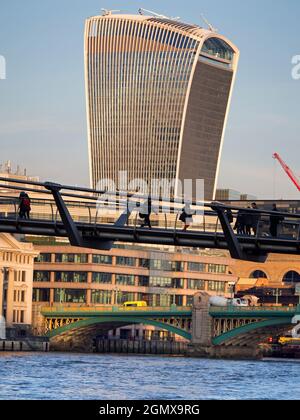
(275, 222)
(145, 213)
(240, 225)
(255, 219)
(186, 216)
(24, 206)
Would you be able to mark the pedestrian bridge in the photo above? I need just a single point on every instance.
(98, 219)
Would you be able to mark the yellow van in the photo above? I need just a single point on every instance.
(137, 304)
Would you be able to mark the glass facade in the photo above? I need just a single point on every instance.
(125, 280)
(41, 276)
(102, 278)
(217, 269)
(69, 296)
(41, 295)
(126, 261)
(102, 297)
(218, 48)
(71, 258)
(43, 258)
(196, 284)
(192, 266)
(70, 277)
(102, 259)
(160, 300)
(139, 78)
(166, 282)
(216, 286)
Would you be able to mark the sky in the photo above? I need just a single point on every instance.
(42, 100)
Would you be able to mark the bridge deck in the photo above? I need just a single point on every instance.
(114, 311)
(128, 234)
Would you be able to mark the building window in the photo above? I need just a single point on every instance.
(123, 297)
(217, 268)
(102, 297)
(197, 267)
(102, 259)
(70, 277)
(125, 280)
(41, 276)
(144, 263)
(258, 274)
(166, 282)
(160, 300)
(196, 284)
(105, 278)
(143, 281)
(71, 258)
(126, 261)
(69, 296)
(216, 286)
(41, 295)
(190, 300)
(291, 277)
(43, 258)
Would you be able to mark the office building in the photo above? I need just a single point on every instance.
(158, 94)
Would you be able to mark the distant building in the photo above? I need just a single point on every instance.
(158, 94)
(16, 274)
(232, 195)
(7, 172)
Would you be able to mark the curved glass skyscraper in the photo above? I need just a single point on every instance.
(158, 94)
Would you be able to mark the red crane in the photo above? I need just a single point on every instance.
(288, 171)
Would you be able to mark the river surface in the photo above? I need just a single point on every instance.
(105, 377)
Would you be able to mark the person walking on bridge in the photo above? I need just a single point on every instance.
(24, 206)
(145, 213)
(186, 216)
(240, 225)
(275, 222)
(255, 219)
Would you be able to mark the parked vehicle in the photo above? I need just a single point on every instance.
(224, 302)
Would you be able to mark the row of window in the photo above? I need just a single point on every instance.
(290, 277)
(153, 264)
(129, 280)
(104, 297)
(19, 259)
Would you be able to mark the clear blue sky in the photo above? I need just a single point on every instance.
(42, 102)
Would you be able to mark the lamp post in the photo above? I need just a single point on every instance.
(117, 291)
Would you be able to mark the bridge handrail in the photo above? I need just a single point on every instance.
(112, 308)
(238, 309)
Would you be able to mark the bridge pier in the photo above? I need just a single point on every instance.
(202, 336)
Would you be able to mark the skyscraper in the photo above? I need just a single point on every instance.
(158, 94)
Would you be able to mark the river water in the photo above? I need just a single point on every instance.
(105, 377)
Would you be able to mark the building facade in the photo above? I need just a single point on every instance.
(16, 275)
(70, 276)
(158, 94)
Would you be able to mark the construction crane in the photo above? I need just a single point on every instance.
(288, 171)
